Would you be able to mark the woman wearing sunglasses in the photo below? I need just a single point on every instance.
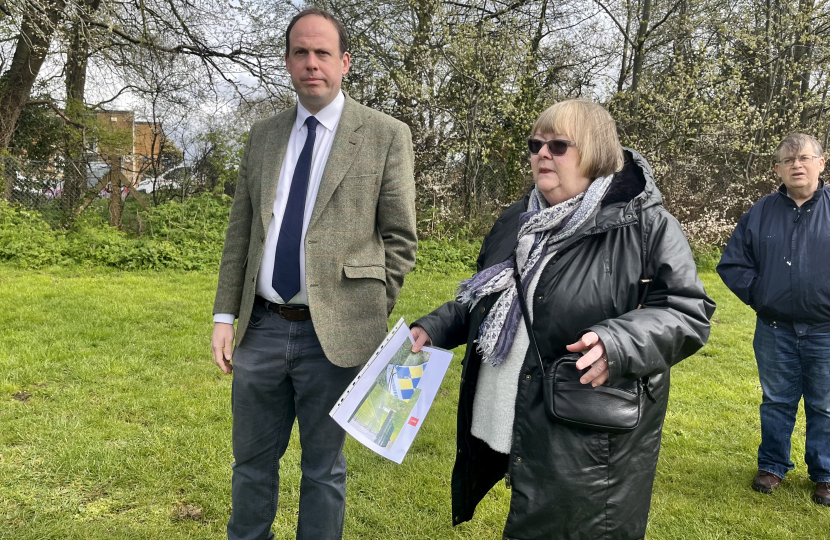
(576, 242)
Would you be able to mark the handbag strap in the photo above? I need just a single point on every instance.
(644, 282)
(526, 314)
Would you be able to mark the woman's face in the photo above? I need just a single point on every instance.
(557, 177)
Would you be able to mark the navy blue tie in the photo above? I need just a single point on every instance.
(286, 277)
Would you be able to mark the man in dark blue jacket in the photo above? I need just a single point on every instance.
(778, 262)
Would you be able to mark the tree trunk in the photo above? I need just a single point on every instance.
(36, 33)
(415, 63)
(77, 60)
(115, 194)
(624, 65)
(802, 53)
(639, 57)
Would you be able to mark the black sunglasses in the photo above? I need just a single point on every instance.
(556, 147)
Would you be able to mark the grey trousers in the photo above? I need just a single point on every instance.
(279, 373)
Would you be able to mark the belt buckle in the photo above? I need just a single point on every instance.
(290, 313)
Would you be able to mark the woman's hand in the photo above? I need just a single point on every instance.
(421, 338)
(595, 356)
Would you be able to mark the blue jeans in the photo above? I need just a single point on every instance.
(280, 373)
(792, 366)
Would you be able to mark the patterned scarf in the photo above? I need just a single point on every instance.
(542, 229)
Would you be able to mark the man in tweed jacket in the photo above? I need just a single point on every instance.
(340, 248)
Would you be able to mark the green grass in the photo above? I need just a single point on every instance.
(113, 420)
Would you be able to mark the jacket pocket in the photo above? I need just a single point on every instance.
(359, 272)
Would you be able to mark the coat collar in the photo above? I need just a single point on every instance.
(344, 149)
(782, 189)
(620, 205)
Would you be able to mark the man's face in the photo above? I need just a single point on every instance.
(802, 173)
(314, 62)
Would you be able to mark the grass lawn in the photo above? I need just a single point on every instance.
(114, 423)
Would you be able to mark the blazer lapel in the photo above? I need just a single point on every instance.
(278, 136)
(344, 149)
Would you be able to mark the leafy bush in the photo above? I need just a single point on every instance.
(185, 236)
(706, 256)
(447, 256)
(27, 240)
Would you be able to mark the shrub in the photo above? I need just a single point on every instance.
(447, 256)
(27, 240)
(185, 236)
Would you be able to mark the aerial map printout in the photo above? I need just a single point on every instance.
(385, 406)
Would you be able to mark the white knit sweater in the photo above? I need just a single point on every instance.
(494, 405)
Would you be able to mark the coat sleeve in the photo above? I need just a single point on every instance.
(449, 325)
(446, 326)
(674, 321)
(738, 267)
(237, 237)
(396, 213)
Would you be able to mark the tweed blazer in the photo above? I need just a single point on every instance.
(361, 239)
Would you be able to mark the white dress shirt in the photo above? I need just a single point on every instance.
(329, 118)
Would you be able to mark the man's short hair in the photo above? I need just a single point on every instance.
(341, 30)
(592, 129)
(794, 142)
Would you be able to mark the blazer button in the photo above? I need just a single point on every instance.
(482, 309)
(518, 460)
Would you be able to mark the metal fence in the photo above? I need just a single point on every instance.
(40, 184)
(61, 183)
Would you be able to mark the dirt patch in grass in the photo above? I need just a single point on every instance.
(183, 512)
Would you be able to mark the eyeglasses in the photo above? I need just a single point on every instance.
(790, 161)
(556, 147)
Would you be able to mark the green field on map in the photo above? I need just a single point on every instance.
(381, 416)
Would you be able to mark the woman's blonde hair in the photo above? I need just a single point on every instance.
(592, 129)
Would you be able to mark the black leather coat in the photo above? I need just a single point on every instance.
(570, 483)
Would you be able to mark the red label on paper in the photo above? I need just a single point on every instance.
(413, 421)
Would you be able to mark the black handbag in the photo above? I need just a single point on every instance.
(608, 408)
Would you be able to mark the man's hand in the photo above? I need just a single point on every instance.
(421, 338)
(221, 345)
(595, 356)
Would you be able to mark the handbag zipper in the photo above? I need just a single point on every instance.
(507, 480)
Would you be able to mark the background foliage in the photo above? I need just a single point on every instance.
(185, 236)
(171, 235)
(704, 89)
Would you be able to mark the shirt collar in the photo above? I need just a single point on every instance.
(328, 115)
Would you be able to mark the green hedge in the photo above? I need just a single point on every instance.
(173, 235)
(185, 236)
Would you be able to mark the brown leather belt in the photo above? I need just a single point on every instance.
(288, 312)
